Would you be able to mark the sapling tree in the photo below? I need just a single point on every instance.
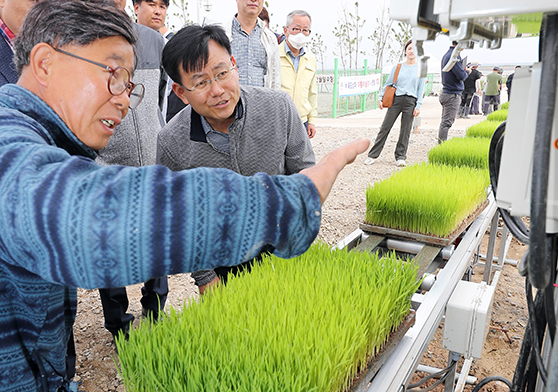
(319, 48)
(181, 13)
(348, 34)
(382, 46)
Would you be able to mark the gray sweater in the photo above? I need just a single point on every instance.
(134, 142)
(267, 136)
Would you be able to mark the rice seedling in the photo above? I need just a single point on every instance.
(425, 198)
(498, 115)
(305, 324)
(483, 129)
(459, 151)
(505, 105)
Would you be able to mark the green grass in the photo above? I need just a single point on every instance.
(304, 324)
(498, 115)
(505, 105)
(462, 151)
(425, 198)
(484, 129)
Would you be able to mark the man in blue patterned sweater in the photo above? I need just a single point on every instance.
(68, 222)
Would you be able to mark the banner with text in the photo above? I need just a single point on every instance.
(358, 85)
(325, 79)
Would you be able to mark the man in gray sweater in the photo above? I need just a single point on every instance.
(134, 143)
(245, 129)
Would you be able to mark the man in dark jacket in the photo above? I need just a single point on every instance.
(450, 98)
(470, 89)
(11, 15)
(134, 143)
(509, 81)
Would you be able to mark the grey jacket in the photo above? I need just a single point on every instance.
(134, 142)
(267, 136)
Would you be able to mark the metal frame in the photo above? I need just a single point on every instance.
(400, 366)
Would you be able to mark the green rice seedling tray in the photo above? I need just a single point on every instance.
(362, 380)
(425, 238)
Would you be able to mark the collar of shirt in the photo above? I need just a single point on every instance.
(236, 26)
(220, 140)
(7, 34)
(296, 60)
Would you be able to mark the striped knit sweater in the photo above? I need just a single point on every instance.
(67, 222)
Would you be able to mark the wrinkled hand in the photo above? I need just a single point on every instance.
(311, 130)
(324, 173)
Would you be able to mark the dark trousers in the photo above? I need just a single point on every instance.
(450, 107)
(466, 101)
(493, 100)
(404, 105)
(115, 303)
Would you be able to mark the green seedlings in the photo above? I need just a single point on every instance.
(306, 324)
(505, 105)
(483, 129)
(498, 115)
(426, 199)
(462, 151)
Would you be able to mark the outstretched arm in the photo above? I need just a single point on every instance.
(325, 172)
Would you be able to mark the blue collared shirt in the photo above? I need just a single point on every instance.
(250, 55)
(296, 60)
(220, 140)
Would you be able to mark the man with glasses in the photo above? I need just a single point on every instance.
(254, 46)
(245, 129)
(69, 222)
(135, 144)
(298, 68)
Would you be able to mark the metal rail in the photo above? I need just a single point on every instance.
(403, 361)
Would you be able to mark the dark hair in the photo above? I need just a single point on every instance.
(165, 2)
(264, 15)
(454, 43)
(189, 49)
(409, 42)
(64, 22)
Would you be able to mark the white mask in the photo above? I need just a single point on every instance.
(298, 40)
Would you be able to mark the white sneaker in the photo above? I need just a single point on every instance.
(401, 163)
(369, 161)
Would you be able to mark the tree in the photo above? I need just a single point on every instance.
(402, 33)
(182, 13)
(381, 43)
(348, 37)
(318, 47)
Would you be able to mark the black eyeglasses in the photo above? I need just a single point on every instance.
(118, 81)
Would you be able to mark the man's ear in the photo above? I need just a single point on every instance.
(41, 61)
(136, 8)
(179, 91)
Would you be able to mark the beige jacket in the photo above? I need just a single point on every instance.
(301, 85)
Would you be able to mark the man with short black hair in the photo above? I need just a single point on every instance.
(135, 144)
(151, 13)
(469, 90)
(70, 222)
(242, 128)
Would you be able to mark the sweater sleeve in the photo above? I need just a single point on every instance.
(75, 223)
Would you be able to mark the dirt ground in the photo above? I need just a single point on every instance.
(342, 213)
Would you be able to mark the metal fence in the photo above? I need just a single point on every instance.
(331, 105)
